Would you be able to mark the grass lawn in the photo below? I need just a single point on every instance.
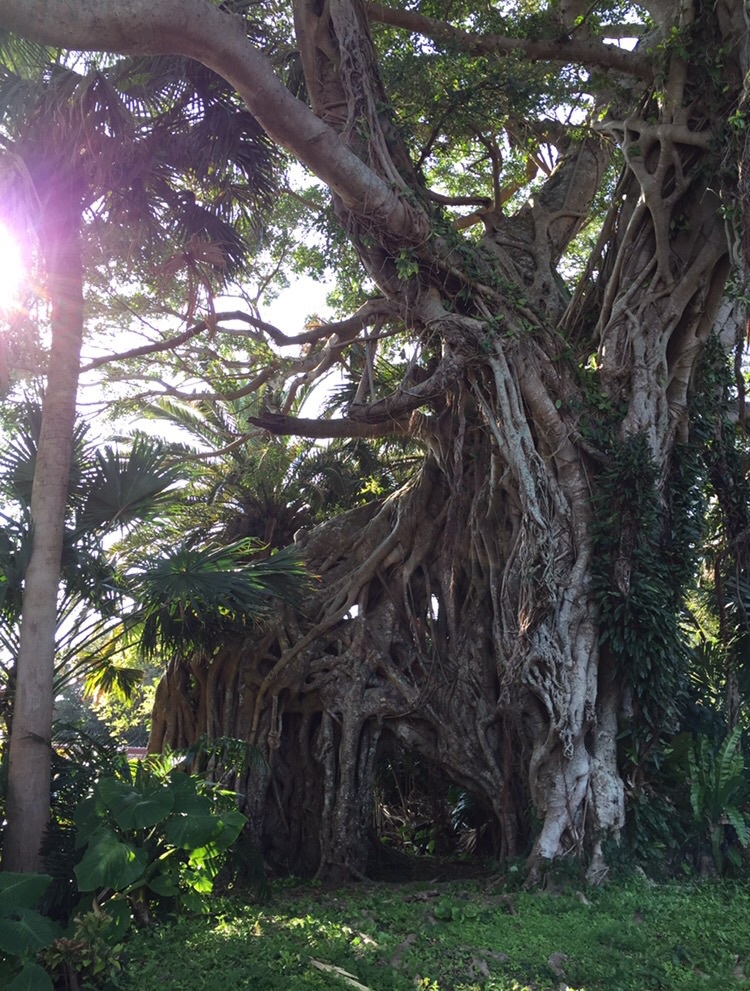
(455, 936)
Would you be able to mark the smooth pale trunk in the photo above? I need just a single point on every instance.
(30, 742)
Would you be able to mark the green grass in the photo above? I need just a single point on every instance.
(456, 937)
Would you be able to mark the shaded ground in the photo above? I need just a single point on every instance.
(464, 935)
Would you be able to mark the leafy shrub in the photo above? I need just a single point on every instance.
(89, 950)
(78, 759)
(719, 788)
(24, 931)
(146, 833)
(152, 832)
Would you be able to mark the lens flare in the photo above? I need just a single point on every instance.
(12, 270)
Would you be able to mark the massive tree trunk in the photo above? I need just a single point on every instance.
(30, 752)
(458, 615)
(513, 606)
(464, 614)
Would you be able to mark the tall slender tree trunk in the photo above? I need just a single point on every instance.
(30, 742)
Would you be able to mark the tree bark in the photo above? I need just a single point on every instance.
(30, 743)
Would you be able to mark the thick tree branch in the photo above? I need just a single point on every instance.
(276, 423)
(201, 30)
(345, 330)
(156, 348)
(458, 200)
(582, 52)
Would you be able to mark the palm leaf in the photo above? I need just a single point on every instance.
(15, 551)
(195, 418)
(24, 57)
(18, 460)
(192, 597)
(124, 488)
(106, 678)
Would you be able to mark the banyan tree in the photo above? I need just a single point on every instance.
(546, 204)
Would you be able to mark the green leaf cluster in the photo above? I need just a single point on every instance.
(719, 796)
(24, 931)
(637, 592)
(151, 832)
(194, 598)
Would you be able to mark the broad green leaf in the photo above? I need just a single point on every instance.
(730, 761)
(26, 931)
(119, 911)
(232, 822)
(21, 890)
(135, 808)
(32, 978)
(110, 863)
(164, 884)
(190, 831)
(734, 788)
(186, 798)
(198, 881)
(88, 819)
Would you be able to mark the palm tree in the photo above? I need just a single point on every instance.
(110, 489)
(87, 152)
(163, 595)
(249, 484)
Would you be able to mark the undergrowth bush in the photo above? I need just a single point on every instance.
(126, 840)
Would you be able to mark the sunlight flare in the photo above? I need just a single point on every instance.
(12, 270)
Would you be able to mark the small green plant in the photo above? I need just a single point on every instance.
(90, 951)
(456, 910)
(24, 931)
(152, 832)
(406, 265)
(719, 787)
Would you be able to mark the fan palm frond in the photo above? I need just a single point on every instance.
(24, 57)
(127, 486)
(104, 677)
(155, 145)
(191, 597)
(15, 551)
(18, 460)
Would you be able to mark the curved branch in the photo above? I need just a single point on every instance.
(344, 329)
(406, 400)
(144, 349)
(458, 200)
(277, 423)
(201, 30)
(564, 49)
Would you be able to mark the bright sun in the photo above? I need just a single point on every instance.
(12, 270)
